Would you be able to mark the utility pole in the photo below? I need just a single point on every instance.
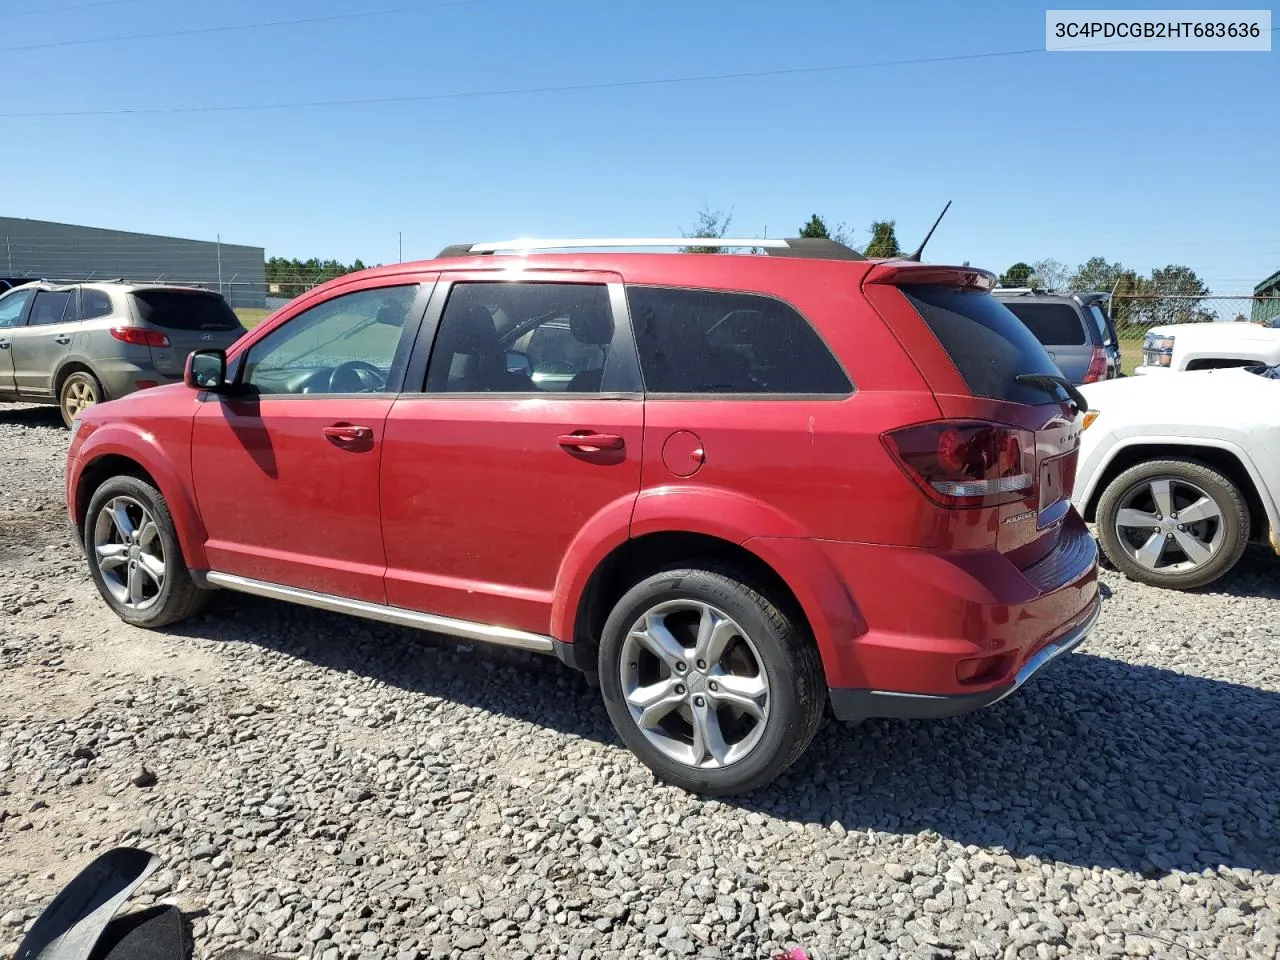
(220, 290)
(400, 241)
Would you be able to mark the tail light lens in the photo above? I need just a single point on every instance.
(967, 463)
(140, 336)
(1097, 366)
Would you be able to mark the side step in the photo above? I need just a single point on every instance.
(465, 629)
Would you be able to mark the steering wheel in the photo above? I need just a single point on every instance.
(356, 376)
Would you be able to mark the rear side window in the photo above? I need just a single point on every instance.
(94, 303)
(1101, 322)
(177, 310)
(1055, 324)
(988, 344)
(709, 341)
(52, 306)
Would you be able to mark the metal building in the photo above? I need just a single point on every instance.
(32, 249)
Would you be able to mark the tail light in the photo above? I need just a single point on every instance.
(966, 463)
(1097, 366)
(140, 336)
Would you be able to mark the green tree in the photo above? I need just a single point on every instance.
(1174, 295)
(295, 276)
(708, 223)
(816, 228)
(884, 241)
(1050, 275)
(1017, 275)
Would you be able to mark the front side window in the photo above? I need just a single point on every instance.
(522, 338)
(710, 341)
(53, 306)
(11, 308)
(344, 345)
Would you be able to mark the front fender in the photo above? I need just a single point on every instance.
(1103, 455)
(173, 479)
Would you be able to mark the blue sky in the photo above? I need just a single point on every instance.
(1148, 158)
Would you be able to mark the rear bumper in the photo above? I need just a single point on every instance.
(852, 704)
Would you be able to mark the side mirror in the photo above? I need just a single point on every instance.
(206, 370)
(518, 362)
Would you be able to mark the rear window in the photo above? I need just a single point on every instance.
(989, 345)
(180, 310)
(710, 341)
(1055, 324)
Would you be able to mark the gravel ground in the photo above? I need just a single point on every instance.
(325, 787)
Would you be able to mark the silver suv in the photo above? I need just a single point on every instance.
(77, 344)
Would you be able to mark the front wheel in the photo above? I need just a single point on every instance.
(134, 557)
(708, 682)
(1173, 523)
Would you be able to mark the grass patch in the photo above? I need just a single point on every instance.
(252, 316)
(1130, 354)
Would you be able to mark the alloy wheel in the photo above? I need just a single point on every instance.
(695, 684)
(80, 396)
(129, 552)
(1169, 525)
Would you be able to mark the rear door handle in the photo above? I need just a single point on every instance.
(62, 338)
(590, 441)
(4, 344)
(347, 433)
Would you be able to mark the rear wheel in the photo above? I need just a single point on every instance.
(79, 392)
(134, 557)
(708, 682)
(1173, 523)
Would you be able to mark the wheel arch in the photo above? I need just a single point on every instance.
(110, 457)
(69, 367)
(1227, 459)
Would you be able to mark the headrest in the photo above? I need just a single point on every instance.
(591, 327)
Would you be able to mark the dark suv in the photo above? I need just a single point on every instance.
(733, 489)
(1074, 327)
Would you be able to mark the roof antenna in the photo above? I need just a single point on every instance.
(915, 257)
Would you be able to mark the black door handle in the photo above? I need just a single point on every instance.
(62, 338)
(4, 344)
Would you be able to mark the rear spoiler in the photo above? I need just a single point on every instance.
(899, 273)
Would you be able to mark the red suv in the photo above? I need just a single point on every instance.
(731, 488)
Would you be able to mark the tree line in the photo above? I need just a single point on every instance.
(295, 275)
(1165, 295)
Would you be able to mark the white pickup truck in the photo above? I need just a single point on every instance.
(1208, 346)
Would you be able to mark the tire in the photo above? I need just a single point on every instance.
(1221, 530)
(116, 558)
(78, 392)
(757, 644)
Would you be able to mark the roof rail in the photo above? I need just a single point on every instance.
(815, 247)
(1017, 291)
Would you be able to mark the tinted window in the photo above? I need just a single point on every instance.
(987, 343)
(52, 306)
(343, 345)
(11, 308)
(522, 338)
(1101, 322)
(181, 310)
(94, 303)
(707, 341)
(1056, 324)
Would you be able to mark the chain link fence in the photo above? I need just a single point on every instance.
(1135, 314)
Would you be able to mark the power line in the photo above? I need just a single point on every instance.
(229, 28)
(517, 91)
(511, 91)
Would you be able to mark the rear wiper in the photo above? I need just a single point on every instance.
(1047, 380)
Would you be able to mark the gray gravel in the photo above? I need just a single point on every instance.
(323, 787)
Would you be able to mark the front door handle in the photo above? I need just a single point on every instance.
(62, 338)
(347, 433)
(590, 442)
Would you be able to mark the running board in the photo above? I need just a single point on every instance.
(465, 629)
